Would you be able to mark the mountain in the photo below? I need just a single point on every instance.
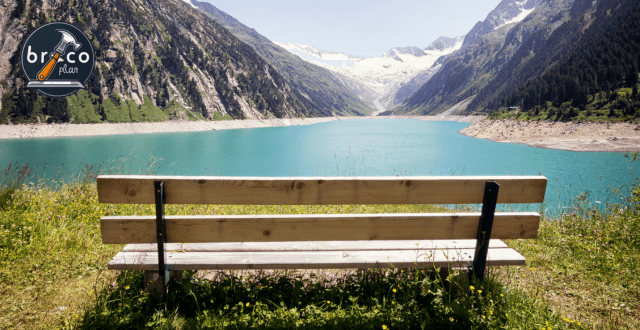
(557, 60)
(443, 45)
(597, 79)
(321, 88)
(507, 12)
(380, 78)
(466, 73)
(155, 60)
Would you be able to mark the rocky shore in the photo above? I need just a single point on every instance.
(616, 137)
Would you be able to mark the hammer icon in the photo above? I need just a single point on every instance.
(61, 49)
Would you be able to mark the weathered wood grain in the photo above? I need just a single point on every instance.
(315, 246)
(133, 189)
(312, 259)
(316, 227)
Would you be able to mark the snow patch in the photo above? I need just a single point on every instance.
(523, 13)
(190, 3)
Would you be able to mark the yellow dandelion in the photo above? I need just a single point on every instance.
(524, 275)
(248, 304)
(451, 319)
(501, 295)
(384, 327)
(394, 290)
(328, 302)
(479, 291)
(484, 317)
(491, 312)
(126, 287)
(505, 314)
(566, 320)
(472, 288)
(393, 302)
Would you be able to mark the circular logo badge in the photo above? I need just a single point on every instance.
(57, 59)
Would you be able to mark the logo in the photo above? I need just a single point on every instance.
(57, 59)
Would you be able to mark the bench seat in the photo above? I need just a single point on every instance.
(313, 255)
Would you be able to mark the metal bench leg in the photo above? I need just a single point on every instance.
(161, 227)
(484, 229)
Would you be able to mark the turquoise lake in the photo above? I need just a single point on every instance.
(343, 148)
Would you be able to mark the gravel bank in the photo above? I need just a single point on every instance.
(617, 137)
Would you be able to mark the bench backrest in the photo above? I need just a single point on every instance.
(317, 191)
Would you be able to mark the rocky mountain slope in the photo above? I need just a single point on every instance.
(325, 91)
(155, 59)
(579, 68)
(473, 68)
(507, 12)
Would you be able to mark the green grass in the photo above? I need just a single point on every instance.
(582, 273)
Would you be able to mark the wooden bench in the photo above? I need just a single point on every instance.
(318, 241)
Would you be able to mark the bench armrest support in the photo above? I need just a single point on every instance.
(484, 229)
(161, 227)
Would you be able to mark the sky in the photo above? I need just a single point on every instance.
(357, 27)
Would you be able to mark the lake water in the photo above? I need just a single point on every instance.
(343, 148)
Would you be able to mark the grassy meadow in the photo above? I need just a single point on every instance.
(581, 274)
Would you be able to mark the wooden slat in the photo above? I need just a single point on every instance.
(312, 259)
(133, 189)
(316, 227)
(314, 246)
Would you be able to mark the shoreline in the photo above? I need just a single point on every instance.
(598, 137)
(593, 137)
(26, 131)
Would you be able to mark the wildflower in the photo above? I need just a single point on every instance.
(451, 319)
(248, 304)
(479, 291)
(524, 275)
(484, 317)
(491, 312)
(384, 327)
(566, 320)
(501, 295)
(126, 287)
(472, 288)
(76, 315)
(394, 290)
(328, 302)
(393, 302)
(505, 314)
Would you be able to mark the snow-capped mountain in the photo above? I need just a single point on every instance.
(382, 75)
(507, 12)
(443, 43)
